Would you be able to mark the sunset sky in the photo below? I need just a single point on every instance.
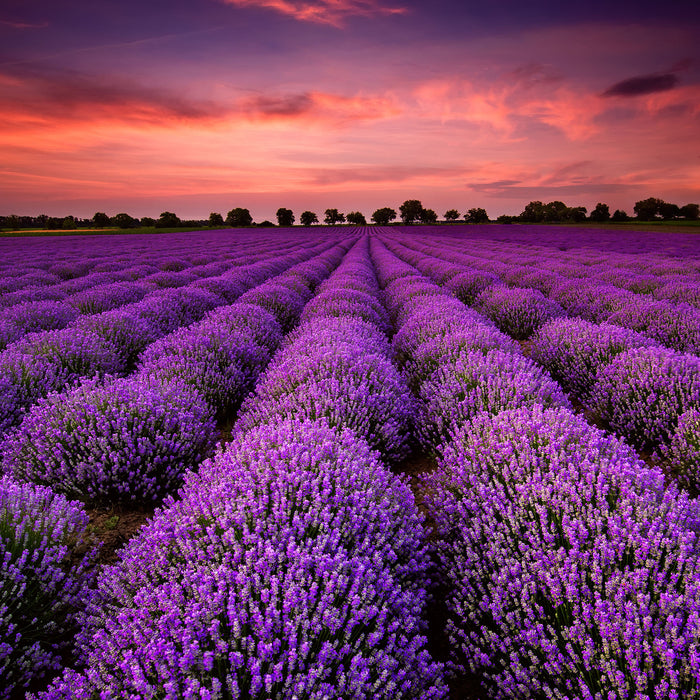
(196, 106)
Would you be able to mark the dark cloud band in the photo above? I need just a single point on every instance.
(642, 85)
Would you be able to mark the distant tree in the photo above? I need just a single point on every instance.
(556, 211)
(69, 223)
(100, 219)
(691, 211)
(600, 213)
(147, 221)
(266, 224)
(216, 220)
(13, 221)
(411, 210)
(533, 213)
(451, 215)
(333, 217)
(357, 218)
(168, 220)
(383, 216)
(578, 214)
(239, 217)
(506, 219)
(428, 216)
(648, 209)
(669, 211)
(285, 217)
(476, 216)
(123, 220)
(306, 218)
(620, 215)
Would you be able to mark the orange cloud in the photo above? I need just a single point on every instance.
(332, 12)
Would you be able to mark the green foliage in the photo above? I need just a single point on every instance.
(333, 217)
(216, 220)
(476, 216)
(357, 218)
(239, 217)
(383, 216)
(123, 220)
(100, 219)
(411, 211)
(307, 218)
(285, 217)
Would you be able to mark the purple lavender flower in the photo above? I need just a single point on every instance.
(573, 350)
(642, 392)
(43, 579)
(293, 566)
(683, 450)
(519, 312)
(284, 303)
(480, 383)
(347, 385)
(572, 570)
(125, 440)
(467, 285)
(220, 365)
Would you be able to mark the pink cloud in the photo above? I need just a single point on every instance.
(332, 12)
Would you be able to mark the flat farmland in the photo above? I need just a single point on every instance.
(351, 462)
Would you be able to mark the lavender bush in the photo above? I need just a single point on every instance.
(119, 441)
(683, 450)
(294, 567)
(573, 571)
(43, 579)
(572, 350)
(467, 285)
(642, 392)
(476, 383)
(519, 312)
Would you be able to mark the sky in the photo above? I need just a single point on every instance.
(199, 106)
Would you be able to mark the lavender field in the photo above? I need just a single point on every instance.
(364, 462)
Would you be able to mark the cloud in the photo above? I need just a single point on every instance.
(333, 12)
(53, 97)
(23, 25)
(642, 85)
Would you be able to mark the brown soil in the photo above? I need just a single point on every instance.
(464, 686)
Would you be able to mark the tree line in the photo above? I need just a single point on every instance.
(410, 212)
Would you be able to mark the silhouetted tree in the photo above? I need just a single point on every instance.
(451, 215)
(100, 219)
(307, 218)
(239, 217)
(333, 217)
(669, 211)
(216, 220)
(147, 221)
(648, 209)
(600, 213)
(285, 217)
(357, 218)
(476, 216)
(69, 223)
(577, 214)
(620, 215)
(506, 219)
(411, 210)
(266, 224)
(533, 213)
(13, 221)
(168, 220)
(691, 211)
(123, 220)
(383, 216)
(428, 216)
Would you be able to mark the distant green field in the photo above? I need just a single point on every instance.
(24, 233)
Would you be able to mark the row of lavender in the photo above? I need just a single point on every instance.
(119, 440)
(293, 564)
(643, 390)
(111, 342)
(571, 568)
